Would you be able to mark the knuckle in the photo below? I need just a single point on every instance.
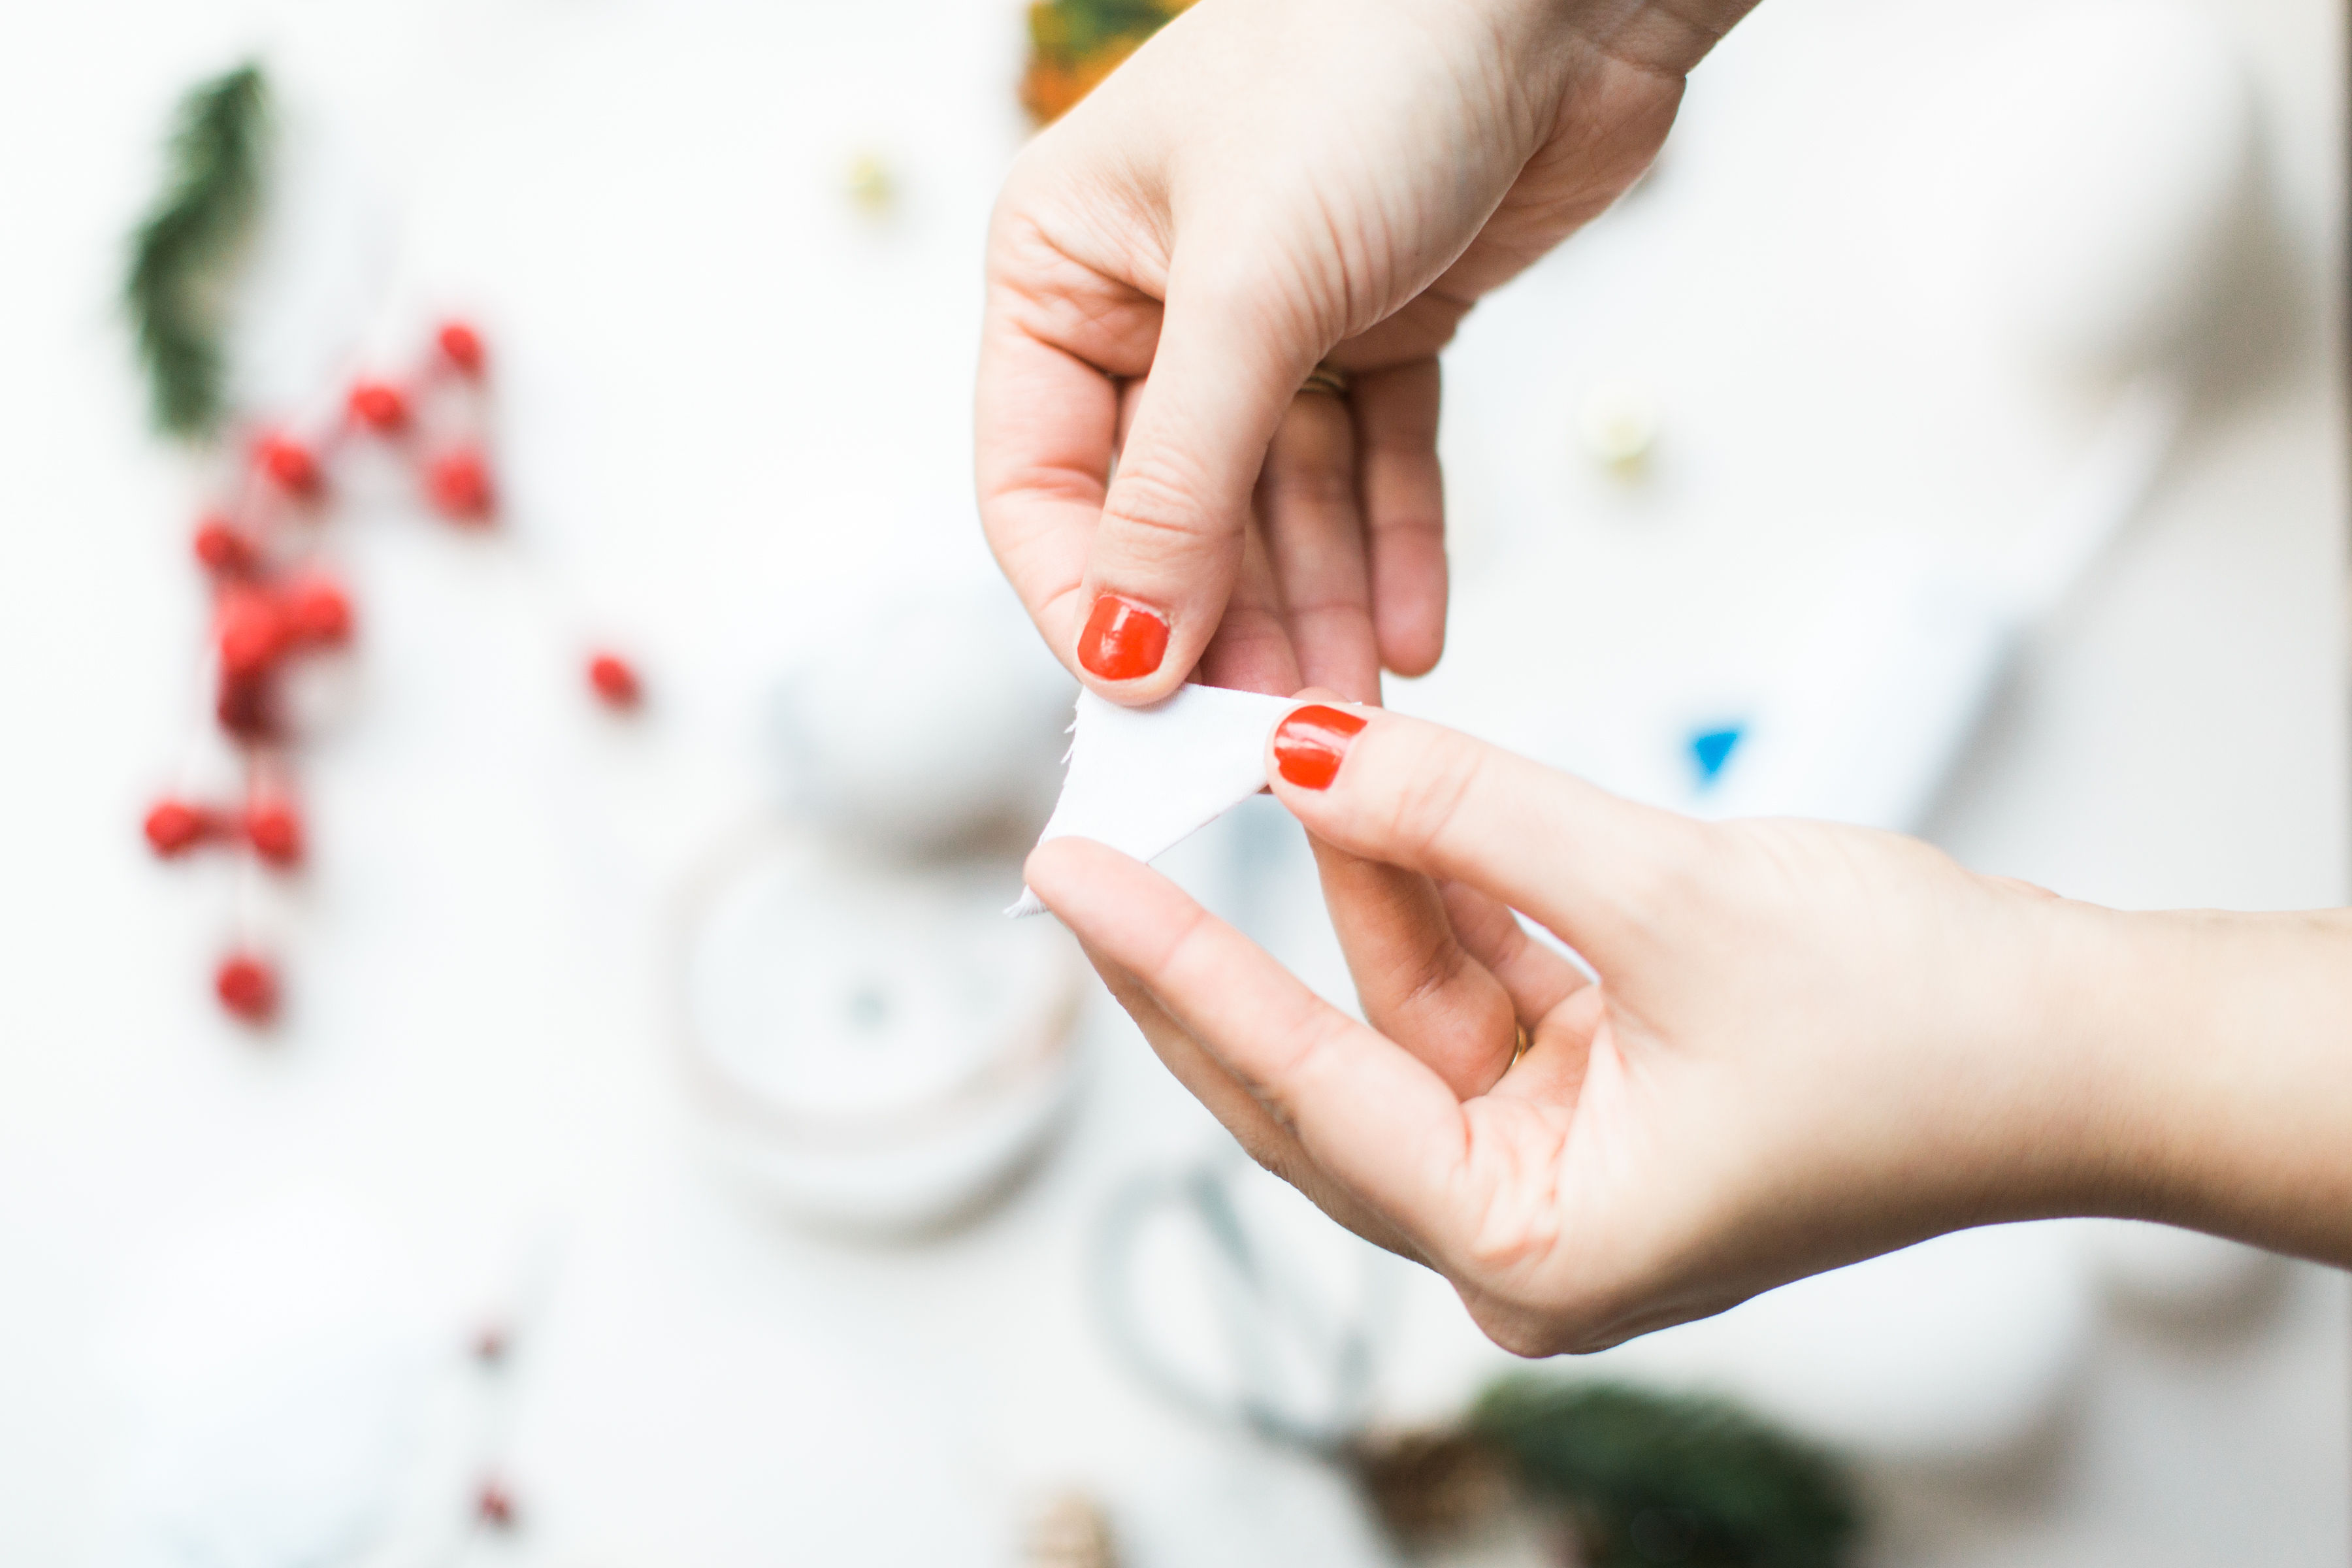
(1319, 1051)
(1508, 1238)
(1334, 620)
(1666, 874)
(1186, 952)
(1308, 482)
(1274, 1155)
(1249, 640)
(1257, 278)
(1434, 971)
(1157, 506)
(1312, 459)
(1430, 799)
(1396, 525)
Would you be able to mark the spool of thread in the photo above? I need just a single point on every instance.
(871, 1043)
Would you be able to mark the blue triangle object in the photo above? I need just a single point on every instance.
(1710, 749)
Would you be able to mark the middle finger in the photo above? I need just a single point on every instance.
(1315, 543)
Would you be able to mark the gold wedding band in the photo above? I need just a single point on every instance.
(1328, 377)
(1520, 1047)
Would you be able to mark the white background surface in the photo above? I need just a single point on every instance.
(736, 414)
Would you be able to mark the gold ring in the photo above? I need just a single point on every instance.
(1519, 1046)
(1328, 377)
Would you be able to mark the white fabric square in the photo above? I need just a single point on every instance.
(1142, 779)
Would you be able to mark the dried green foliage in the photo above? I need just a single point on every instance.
(1071, 29)
(1655, 1478)
(185, 248)
(1074, 44)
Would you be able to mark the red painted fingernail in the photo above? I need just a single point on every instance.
(1309, 745)
(1123, 640)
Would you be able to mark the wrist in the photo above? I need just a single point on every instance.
(2210, 1083)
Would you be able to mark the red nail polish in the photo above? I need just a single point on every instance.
(1123, 640)
(1309, 745)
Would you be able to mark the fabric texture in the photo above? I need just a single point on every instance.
(1142, 779)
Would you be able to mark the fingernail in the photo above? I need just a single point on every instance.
(1308, 744)
(1123, 640)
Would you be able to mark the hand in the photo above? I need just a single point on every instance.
(1807, 1045)
(1264, 185)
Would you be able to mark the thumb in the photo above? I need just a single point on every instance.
(1168, 548)
(1598, 870)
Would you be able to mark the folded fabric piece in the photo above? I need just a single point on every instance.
(1141, 779)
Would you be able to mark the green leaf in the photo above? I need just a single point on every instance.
(1665, 1479)
(183, 251)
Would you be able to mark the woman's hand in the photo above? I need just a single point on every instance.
(1807, 1045)
(1265, 183)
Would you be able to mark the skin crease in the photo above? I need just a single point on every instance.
(1809, 1044)
(1267, 182)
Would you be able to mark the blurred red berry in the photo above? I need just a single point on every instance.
(462, 345)
(460, 485)
(614, 682)
(289, 464)
(316, 611)
(379, 405)
(275, 830)
(222, 549)
(496, 1506)
(250, 627)
(248, 987)
(173, 828)
(247, 707)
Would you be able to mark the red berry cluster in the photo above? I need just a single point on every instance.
(272, 601)
(268, 824)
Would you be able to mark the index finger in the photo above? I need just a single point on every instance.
(1369, 1115)
(1169, 545)
(1601, 872)
(1044, 422)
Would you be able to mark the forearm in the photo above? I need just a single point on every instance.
(2218, 1089)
